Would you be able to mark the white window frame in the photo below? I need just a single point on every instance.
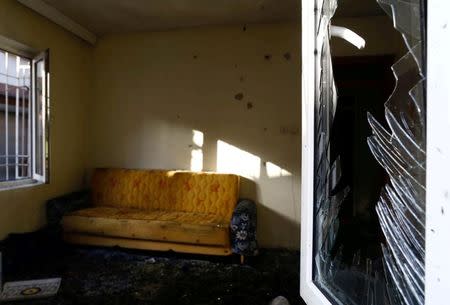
(437, 248)
(308, 290)
(437, 263)
(44, 122)
(17, 48)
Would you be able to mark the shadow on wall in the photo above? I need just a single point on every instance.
(274, 228)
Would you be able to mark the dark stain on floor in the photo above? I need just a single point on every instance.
(93, 275)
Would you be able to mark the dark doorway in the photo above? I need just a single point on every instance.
(363, 85)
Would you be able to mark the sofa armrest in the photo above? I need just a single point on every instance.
(58, 207)
(243, 228)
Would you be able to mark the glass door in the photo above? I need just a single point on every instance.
(363, 193)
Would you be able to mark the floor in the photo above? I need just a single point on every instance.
(116, 276)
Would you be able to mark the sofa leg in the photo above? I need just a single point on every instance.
(242, 259)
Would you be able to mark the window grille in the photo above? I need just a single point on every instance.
(24, 114)
(15, 118)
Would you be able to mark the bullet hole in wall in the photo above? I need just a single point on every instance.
(195, 56)
(268, 57)
(289, 130)
(239, 96)
(287, 56)
(244, 28)
(249, 105)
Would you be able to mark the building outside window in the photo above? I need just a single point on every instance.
(24, 113)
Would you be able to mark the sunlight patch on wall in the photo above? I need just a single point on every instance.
(197, 151)
(231, 159)
(196, 160)
(197, 138)
(274, 171)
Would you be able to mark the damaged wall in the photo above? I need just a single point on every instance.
(235, 90)
(211, 98)
(23, 209)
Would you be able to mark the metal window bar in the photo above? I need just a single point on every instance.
(12, 76)
(5, 156)
(29, 104)
(16, 167)
(16, 158)
(6, 116)
(18, 164)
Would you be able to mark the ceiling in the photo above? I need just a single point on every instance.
(113, 16)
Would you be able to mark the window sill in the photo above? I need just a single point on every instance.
(13, 185)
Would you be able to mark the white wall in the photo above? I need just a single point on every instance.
(153, 89)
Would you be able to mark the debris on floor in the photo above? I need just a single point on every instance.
(118, 276)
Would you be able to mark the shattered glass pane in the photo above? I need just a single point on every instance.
(360, 280)
(400, 150)
(384, 265)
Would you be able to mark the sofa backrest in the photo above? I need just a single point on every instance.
(129, 188)
(203, 192)
(198, 192)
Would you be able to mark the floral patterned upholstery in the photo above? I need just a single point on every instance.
(243, 228)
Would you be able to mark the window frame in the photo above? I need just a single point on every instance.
(437, 237)
(19, 49)
(310, 293)
(44, 177)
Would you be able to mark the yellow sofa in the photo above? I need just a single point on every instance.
(157, 210)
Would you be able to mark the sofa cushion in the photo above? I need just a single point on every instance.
(178, 227)
(203, 192)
